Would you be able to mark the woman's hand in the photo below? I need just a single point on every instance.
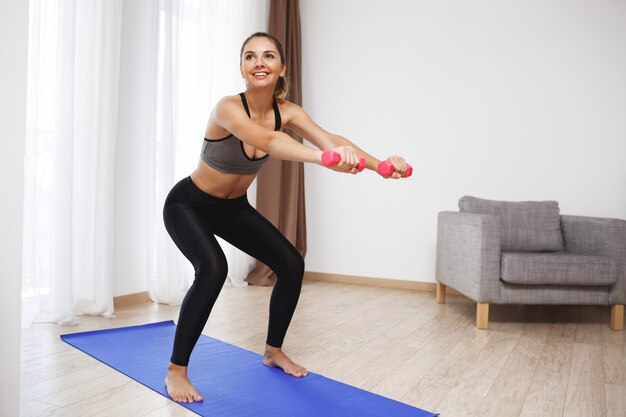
(349, 162)
(399, 163)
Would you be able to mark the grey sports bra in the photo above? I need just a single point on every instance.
(228, 154)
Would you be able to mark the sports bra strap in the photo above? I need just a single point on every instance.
(245, 103)
(277, 120)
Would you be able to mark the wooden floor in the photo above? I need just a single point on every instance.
(533, 361)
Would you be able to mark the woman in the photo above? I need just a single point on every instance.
(242, 132)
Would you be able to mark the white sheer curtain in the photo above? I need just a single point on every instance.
(70, 159)
(72, 118)
(198, 63)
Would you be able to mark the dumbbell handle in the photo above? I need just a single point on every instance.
(331, 158)
(386, 168)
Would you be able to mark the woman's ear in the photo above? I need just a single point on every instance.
(283, 70)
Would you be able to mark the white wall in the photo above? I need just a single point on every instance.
(14, 47)
(497, 99)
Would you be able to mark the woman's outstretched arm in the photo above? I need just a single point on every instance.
(304, 126)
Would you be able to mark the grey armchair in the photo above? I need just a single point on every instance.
(527, 253)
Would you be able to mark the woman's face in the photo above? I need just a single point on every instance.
(260, 63)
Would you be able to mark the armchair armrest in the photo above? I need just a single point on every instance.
(599, 236)
(468, 254)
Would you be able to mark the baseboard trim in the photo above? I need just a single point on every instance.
(131, 299)
(144, 297)
(375, 282)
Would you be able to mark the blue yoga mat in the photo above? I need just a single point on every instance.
(232, 380)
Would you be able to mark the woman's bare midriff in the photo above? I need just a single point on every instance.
(220, 184)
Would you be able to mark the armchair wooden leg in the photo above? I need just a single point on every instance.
(482, 316)
(617, 317)
(441, 293)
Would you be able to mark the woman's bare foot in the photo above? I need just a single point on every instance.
(178, 385)
(276, 357)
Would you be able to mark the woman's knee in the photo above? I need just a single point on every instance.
(292, 267)
(211, 273)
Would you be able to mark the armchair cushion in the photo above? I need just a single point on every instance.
(557, 269)
(528, 226)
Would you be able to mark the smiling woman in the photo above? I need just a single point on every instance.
(242, 131)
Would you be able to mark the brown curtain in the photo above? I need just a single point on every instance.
(280, 184)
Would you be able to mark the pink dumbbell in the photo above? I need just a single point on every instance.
(331, 158)
(386, 168)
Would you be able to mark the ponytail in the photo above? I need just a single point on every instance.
(282, 89)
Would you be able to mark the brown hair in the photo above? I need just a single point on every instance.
(282, 86)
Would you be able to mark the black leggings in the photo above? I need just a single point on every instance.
(193, 218)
